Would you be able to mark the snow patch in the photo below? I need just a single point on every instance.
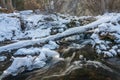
(3, 58)
(51, 45)
(9, 28)
(20, 64)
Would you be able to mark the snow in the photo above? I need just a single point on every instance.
(9, 27)
(50, 53)
(29, 51)
(37, 33)
(113, 52)
(51, 45)
(110, 31)
(17, 64)
(36, 51)
(118, 51)
(29, 62)
(32, 21)
(68, 32)
(35, 25)
(38, 28)
(3, 58)
(26, 12)
(75, 37)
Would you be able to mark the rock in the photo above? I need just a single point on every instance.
(9, 27)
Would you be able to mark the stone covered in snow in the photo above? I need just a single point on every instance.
(20, 64)
(29, 51)
(3, 58)
(9, 27)
(107, 36)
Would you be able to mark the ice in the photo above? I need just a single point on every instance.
(30, 51)
(71, 31)
(3, 58)
(118, 51)
(32, 21)
(107, 54)
(9, 27)
(37, 33)
(38, 29)
(115, 47)
(51, 45)
(26, 12)
(113, 52)
(20, 64)
(106, 35)
(103, 47)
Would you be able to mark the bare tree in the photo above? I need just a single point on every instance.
(9, 5)
(3, 3)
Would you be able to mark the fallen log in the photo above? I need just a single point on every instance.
(69, 32)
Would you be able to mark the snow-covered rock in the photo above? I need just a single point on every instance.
(36, 33)
(106, 37)
(51, 45)
(3, 58)
(9, 27)
(21, 64)
(29, 51)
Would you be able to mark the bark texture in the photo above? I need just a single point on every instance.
(7, 4)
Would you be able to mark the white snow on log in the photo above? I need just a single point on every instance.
(66, 33)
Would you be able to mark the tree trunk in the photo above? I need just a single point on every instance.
(3, 5)
(9, 5)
